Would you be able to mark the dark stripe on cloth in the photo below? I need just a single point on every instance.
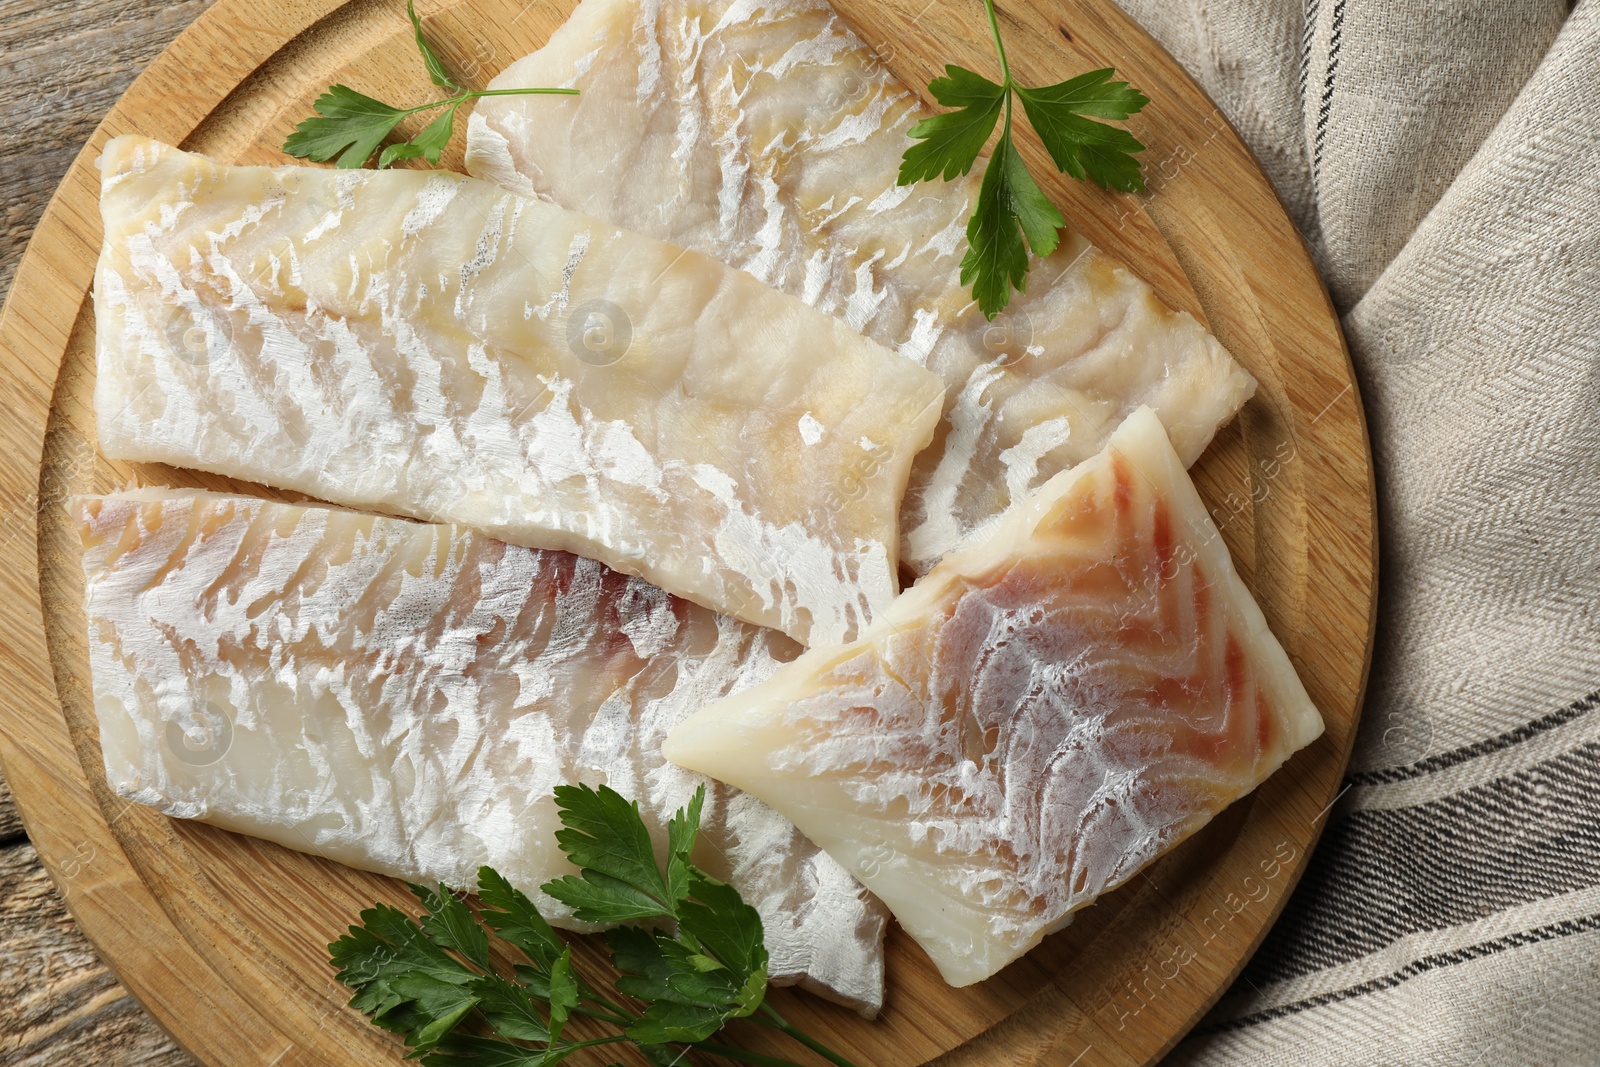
(1565, 928)
(1379, 875)
(1525, 732)
(1335, 44)
(1312, 10)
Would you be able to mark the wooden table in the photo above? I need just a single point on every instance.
(62, 65)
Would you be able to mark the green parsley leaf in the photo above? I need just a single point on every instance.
(450, 923)
(434, 982)
(511, 1009)
(996, 253)
(1086, 149)
(600, 898)
(461, 1050)
(602, 831)
(662, 1055)
(686, 976)
(1011, 206)
(349, 125)
(719, 919)
(536, 981)
(714, 971)
(672, 1022)
(952, 142)
(438, 1006)
(563, 993)
(389, 943)
(604, 835)
(682, 832)
(429, 144)
(405, 980)
(512, 916)
(430, 58)
(645, 971)
(1012, 215)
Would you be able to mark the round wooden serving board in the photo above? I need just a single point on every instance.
(224, 938)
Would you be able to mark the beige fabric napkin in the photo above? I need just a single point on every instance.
(1443, 160)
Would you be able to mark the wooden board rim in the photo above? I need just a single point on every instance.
(70, 816)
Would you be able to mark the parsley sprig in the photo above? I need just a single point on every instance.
(434, 981)
(1011, 207)
(351, 125)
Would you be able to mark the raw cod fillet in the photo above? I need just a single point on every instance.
(403, 698)
(1040, 717)
(429, 345)
(765, 134)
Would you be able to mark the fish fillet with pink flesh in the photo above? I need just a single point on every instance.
(768, 136)
(404, 697)
(1044, 714)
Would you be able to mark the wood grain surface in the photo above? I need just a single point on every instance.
(63, 63)
(222, 937)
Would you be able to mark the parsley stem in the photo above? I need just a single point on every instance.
(1000, 46)
(473, 94)
(1005, 134)
(519, 92)
(778, 1022)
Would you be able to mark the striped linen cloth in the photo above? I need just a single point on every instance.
(1443, 161)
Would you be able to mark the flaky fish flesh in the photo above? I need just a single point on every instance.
(430, 345)
(404, 697)
(765, 134)
(1040, 717)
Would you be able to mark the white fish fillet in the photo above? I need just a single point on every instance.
(765, 134)
(1041, 716)
(430, 345)
(404, 697)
